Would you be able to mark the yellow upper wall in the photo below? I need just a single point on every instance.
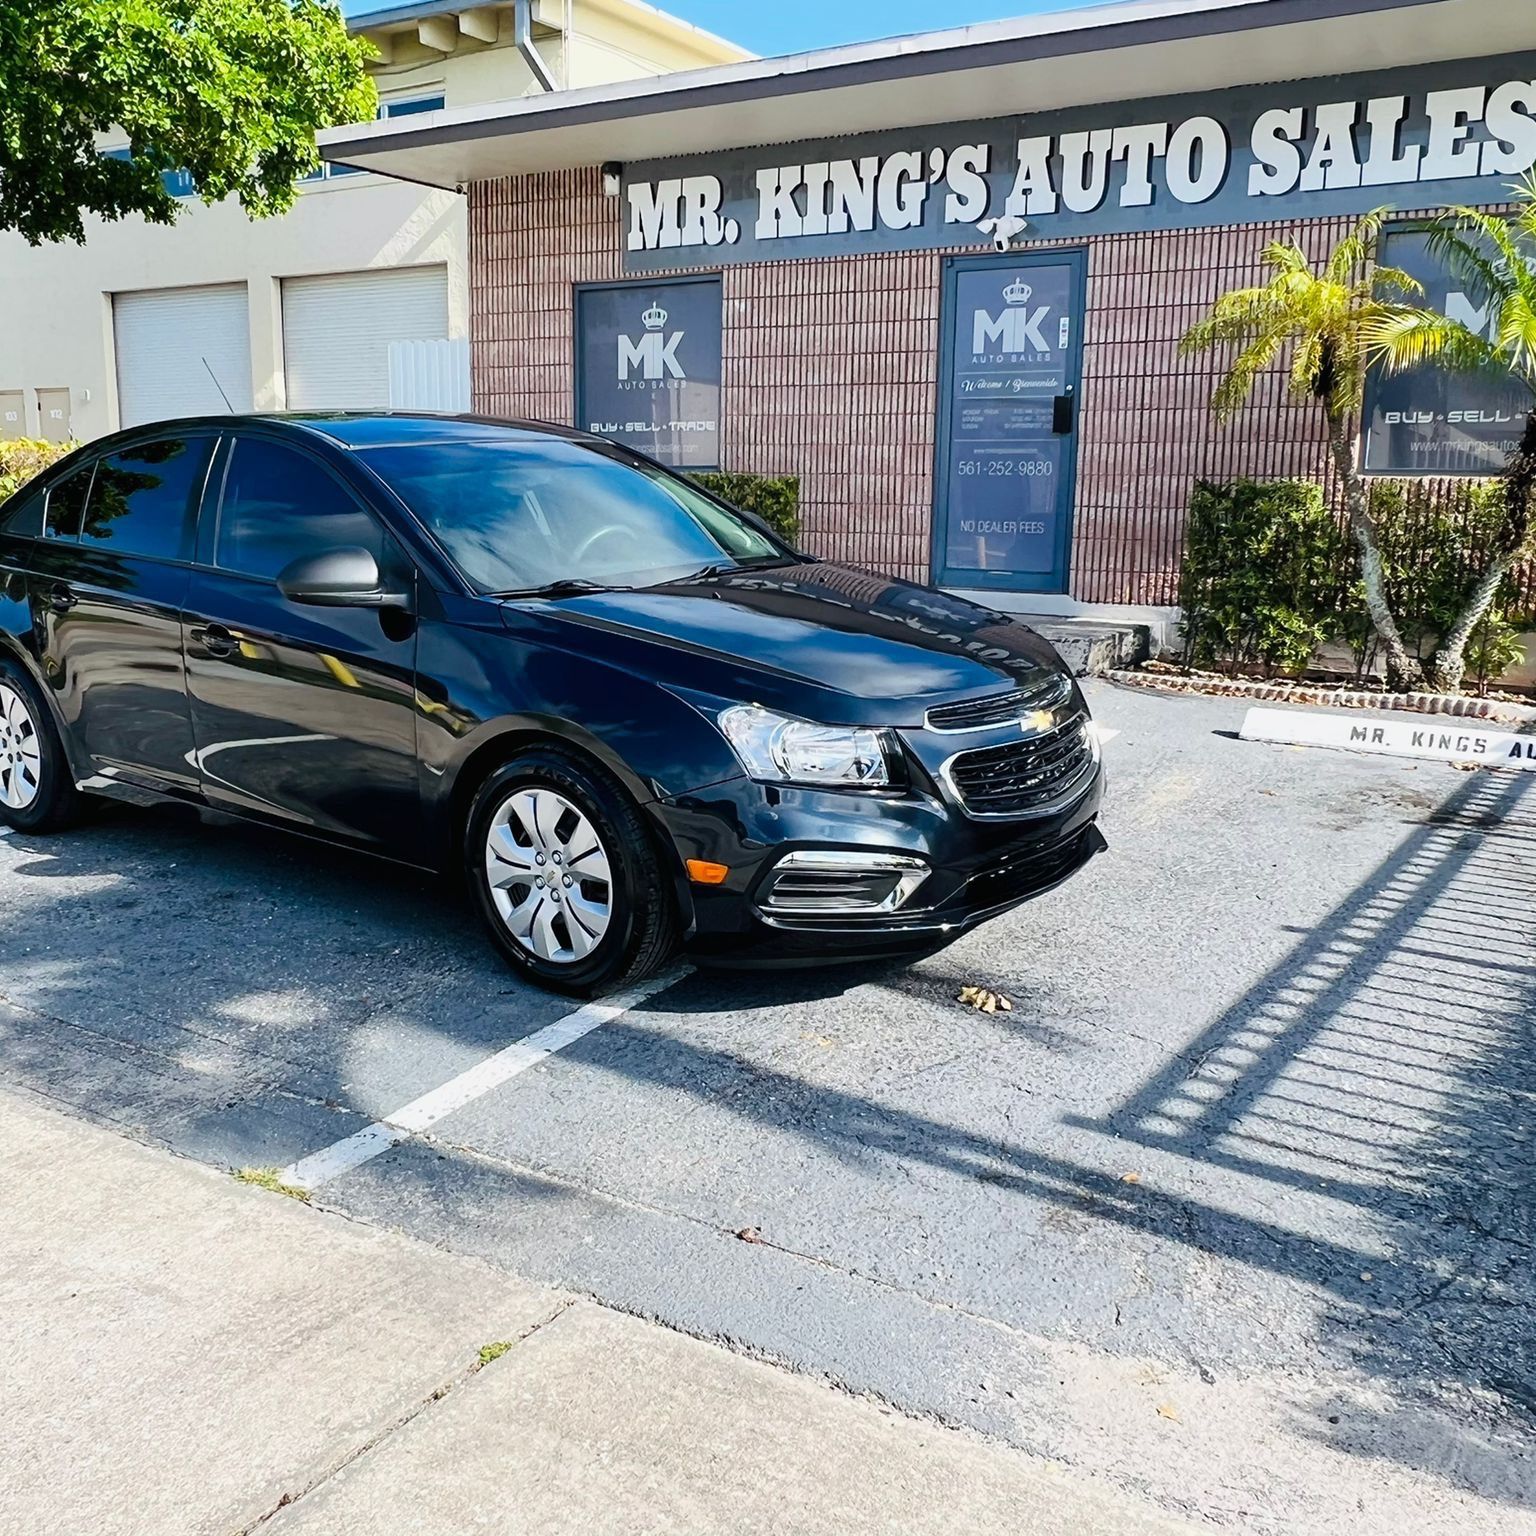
(582, 43)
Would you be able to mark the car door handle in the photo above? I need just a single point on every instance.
(60, 598)
(216, 640)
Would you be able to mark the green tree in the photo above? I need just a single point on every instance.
(1494, 258)
(1322, 319)
(230, 91)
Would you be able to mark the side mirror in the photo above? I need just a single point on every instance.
(340, 578)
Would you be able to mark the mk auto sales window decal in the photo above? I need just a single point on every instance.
(1431, 420)
(648, 367)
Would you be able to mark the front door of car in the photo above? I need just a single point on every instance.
(108, 581)
(301, 713)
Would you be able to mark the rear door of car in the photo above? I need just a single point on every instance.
(106, 588)
(301, 714)
(21, 531)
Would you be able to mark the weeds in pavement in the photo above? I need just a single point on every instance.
(489, 1352)
(266, 1178)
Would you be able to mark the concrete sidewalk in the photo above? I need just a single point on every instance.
(182, 1353)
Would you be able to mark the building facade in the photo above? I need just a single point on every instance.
(943, 279)
(223, 312)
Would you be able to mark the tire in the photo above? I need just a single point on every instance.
(37, 788)
(574, 917)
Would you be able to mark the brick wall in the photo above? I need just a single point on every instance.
(1147, 430)
(856, 422)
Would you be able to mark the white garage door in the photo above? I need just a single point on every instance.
(181, 352)
(337, 331)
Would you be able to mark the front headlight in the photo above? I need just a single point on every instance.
(774, 746)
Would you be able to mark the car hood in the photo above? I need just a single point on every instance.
(822, 641)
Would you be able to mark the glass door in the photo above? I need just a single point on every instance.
(1007, 432)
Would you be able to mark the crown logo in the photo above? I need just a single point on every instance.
(655, 317)
(1017, 292)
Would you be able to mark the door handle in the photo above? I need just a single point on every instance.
(1063, 413)
(60, 598)
(216, 640)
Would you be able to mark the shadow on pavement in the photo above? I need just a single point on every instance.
(1320, 1079)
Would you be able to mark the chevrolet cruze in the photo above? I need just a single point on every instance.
(631, 714)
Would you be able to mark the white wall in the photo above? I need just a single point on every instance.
(58, 324)
(57, 327)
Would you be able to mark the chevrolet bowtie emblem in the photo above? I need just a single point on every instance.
(1038, 721)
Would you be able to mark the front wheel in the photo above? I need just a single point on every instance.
(566, 877)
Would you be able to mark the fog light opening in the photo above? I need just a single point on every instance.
(841, 882)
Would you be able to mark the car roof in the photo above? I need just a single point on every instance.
(373, 429)
(366, 429)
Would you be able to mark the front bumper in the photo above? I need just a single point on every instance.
(977, 868)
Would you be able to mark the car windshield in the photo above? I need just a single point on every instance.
(534, 513)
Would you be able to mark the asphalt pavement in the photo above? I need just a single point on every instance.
(186, 1356)
(1233, 1206)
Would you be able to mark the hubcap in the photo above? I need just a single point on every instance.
(21, 752)
(549, 875)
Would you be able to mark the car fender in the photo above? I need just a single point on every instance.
(13, 647)
(656, 745)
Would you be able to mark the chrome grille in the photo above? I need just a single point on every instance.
(1026, 777)
(819, 891)
(1000, 708)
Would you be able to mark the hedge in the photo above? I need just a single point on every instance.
(23, 457)
(774, 498)
(1270, 574)
(1262, 564)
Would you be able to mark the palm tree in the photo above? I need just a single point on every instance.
(1324, 318)
(1494, 257)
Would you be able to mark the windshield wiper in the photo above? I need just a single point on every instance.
(731, 567)
(566, 586)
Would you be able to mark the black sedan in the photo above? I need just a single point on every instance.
(630, 713)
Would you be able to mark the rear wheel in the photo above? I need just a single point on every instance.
(566, 877)
(37, 789)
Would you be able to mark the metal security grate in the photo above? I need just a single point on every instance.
(1027, 777)
(1000, 708)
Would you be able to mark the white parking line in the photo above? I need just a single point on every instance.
(343, 1156)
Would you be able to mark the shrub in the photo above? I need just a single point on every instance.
(1261, 574)
(1268, 574)
(774, 498)
(23, 457)
(1493, 649)
(1434, 540)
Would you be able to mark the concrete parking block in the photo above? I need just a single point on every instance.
(608, 1425)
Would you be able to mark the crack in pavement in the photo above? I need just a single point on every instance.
(443, 1390)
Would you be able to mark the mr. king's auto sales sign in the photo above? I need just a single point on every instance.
(1456, 132)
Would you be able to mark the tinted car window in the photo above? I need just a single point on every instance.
(142, 497)
(24, 516)
(280, 505)
(66, 503)
(526, 513)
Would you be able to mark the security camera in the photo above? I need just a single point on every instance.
(1004, 230)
